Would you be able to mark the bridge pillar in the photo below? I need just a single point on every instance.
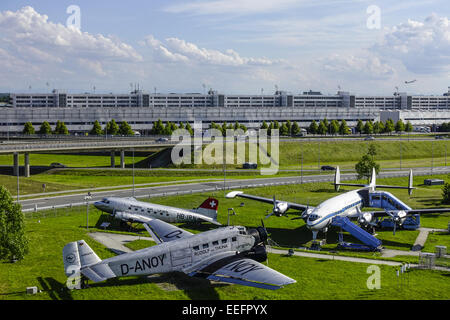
(113, 159)
(16, 164)
(27, 165)
(122, 159)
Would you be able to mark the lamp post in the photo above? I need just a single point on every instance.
(87, 198)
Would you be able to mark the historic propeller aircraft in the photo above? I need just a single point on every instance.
(228, 254)
(130, 209)
(337, 210)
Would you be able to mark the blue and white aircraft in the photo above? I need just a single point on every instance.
(338, 210)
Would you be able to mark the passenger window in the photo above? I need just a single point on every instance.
(196, 248)
(233, 239)
(215, 243)
(224, 240)
(205, 245)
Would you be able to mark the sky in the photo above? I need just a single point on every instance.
(231, 46)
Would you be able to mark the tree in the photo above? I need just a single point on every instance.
(372, 150)
(446, 193)
(112, 128)
(264, 125)
(189, 129)
(313, 128)
(284, 131)
(343, 128)
(28, 128)
(389, 126)
(61, 128)
(378, 127)
(295, 130)
(368, 127)
(399, 126)
(96, 129)
(364, 167)
(158, 128)
(334, 127)
(408, 127)
(125, 129)
(322, 128)
(13, 242)
(289, 127)
(359, 126)
(168, 128)
(45, 128)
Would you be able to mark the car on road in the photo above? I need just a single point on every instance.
(369, 138)
(324, 168)
(249, 165)
(162, 140)
(57, 165)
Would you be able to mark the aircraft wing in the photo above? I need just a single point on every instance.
(164, 232)
(291, 205)
(126, 216)
(236, 268)
(413, 211)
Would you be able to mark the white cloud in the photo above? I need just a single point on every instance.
(362, 65)
(238, 7)
(423, 47)
(178, 50)
(46, 47)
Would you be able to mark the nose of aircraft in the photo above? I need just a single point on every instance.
(99, 205)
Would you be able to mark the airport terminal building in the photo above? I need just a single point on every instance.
(141, 109)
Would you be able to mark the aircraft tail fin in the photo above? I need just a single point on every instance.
(208, 208)
(373, 180)
(77, 255)
(80, 258)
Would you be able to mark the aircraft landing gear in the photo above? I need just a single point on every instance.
(315, 245)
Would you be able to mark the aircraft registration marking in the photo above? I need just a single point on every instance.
(242, 267)
(143, 264)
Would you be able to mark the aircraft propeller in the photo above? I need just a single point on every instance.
(396, 219)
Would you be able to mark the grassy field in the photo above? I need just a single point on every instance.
(316, 278)
(390, 154)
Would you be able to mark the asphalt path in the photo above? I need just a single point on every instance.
(78, 199)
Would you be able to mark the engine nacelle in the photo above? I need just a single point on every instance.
(281, 207)
(399, 217)
(259, 234)
(123, 216)
(365, 218)
(258, 253)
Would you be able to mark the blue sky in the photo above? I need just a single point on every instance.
(244, 46)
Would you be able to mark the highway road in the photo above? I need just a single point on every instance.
(78, 199)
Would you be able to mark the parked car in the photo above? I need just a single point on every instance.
(327, 168)
(249, 165)
(57, 165)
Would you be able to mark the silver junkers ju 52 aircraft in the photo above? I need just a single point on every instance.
(229, 254)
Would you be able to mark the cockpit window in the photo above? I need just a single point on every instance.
(313, 217)
(105, 200)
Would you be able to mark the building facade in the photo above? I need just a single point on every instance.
(141, 109)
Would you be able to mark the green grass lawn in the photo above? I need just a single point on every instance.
(390, 154)
(316, 278)
(49, 231)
